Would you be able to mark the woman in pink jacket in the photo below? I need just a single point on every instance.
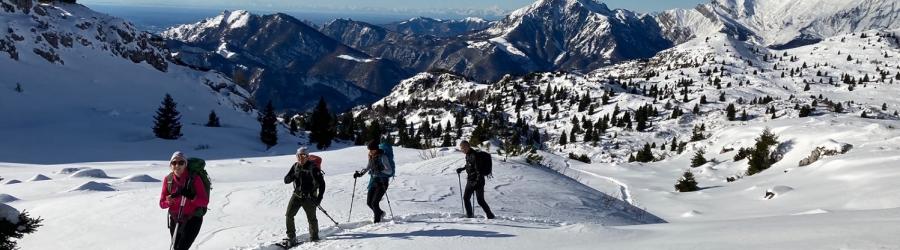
(183, 194)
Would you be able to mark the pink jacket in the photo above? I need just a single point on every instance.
(200, 200)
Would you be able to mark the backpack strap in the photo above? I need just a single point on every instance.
(169, 180)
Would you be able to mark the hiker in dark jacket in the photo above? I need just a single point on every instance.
(181, 187)
(474, 182)
(380, 171)
(309, 188)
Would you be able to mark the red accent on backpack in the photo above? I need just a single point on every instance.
(316, 160)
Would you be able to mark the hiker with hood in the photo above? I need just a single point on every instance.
(184, 194)
(309, 189)
(474, 180)
(380, 171)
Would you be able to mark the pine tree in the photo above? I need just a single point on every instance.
(806, 88)
(321, 131)
(759, 157)
(730, 112)
(562, 139)
(268, 133)
(292, 126)
(10, 231)
(448, 140)
(213, 120)
(347, 127)
(698, 159)
(479, 134)
(805, 111)
(167, 125)
(572, 137)
(645, 154)
(697, 134)
(402, 132)
(687, 183)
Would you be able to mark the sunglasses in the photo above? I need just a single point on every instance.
(178, 163)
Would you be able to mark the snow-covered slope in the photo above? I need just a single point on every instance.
(249, 199)
(91, 84)
(784, 23)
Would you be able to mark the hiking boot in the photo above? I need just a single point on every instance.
(289, 242)
(378, 216)
(314, 238)
(490, 216)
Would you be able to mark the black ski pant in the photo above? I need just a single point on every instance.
(377, 189)
(476, 187)
(187, 232)
(309, 206)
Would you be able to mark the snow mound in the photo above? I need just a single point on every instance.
(9, 213)
(92, 186)
(5, 198)
(814, 211)
(139, 178)
(39, 177)
(777, 191)
(89, 173)
(70, 170)
(13, 181)
(691, 213)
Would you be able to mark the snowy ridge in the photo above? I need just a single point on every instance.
(788, 23)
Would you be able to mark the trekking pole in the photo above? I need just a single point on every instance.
(177, 224)
(461, 199)
(389, 204)
(326, 214)
(352, 196)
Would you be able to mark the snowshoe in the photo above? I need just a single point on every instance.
(288, 243)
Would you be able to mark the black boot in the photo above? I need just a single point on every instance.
(289, 242)
(379, 216)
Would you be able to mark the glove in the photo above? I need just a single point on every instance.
(319, 200)
(357, 174)
(460, 170)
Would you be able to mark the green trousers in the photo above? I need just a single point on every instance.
(309, 206)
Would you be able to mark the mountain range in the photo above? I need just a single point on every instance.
(548, 35)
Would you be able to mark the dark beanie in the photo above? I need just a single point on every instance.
(373, 145)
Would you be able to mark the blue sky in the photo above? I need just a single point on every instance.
(398, 5)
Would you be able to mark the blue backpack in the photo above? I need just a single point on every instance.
(389, 152)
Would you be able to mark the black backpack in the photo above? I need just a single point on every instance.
(483, 163)
(305, 182)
